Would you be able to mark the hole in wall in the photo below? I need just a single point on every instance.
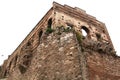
(49, 27)
(98, 35)
(16, 58)
(40, 34)
(29, 43)
(85, 30)
(103, 31)
(50, 23)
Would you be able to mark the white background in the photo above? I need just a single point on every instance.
(19, 17)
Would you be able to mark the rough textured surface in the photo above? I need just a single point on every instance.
(56, 49)
(103, 67)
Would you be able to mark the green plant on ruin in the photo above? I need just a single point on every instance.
(63, 29)
(59, 28)
(49, 30)
(68, 29)
(79, 37)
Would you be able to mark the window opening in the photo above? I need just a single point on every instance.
(40, 34)
(85, 31)
(50, 23)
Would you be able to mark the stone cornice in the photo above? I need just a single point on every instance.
(77, 13)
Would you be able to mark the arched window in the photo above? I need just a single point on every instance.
(85, 30)
(40, 34)
(50, 23)
(49, 27)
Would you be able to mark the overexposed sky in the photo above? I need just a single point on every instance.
(19, 17)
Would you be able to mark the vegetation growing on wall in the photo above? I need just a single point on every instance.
(79, 37)
(67, 29)
(49, 30)
(63, 29)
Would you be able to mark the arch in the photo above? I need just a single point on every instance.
(40, 35)
(49, 23)
(85, 30)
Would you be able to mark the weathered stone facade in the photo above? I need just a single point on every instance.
(56, 49)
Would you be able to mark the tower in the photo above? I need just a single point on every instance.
(57, 49)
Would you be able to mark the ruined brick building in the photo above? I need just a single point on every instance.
(56, 49)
